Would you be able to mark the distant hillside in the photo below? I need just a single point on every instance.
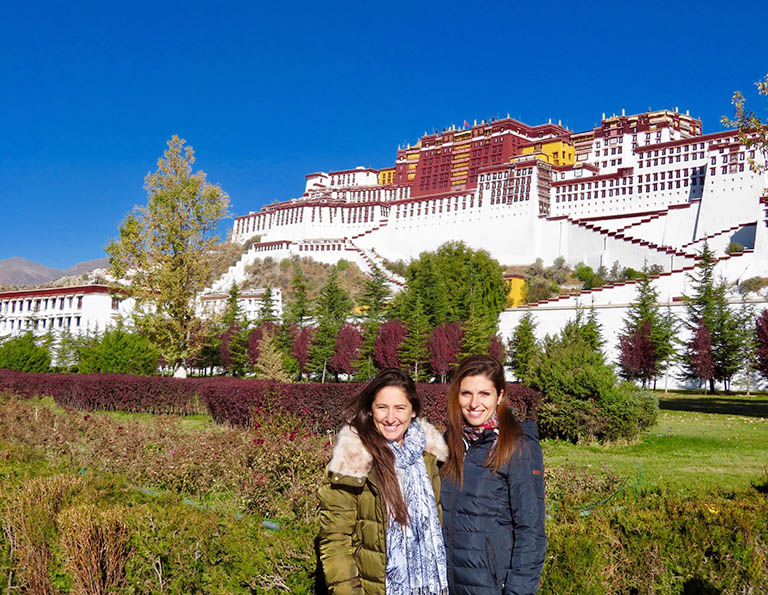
(19, 271)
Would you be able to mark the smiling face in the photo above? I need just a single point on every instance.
(478, 399)
(392, 413)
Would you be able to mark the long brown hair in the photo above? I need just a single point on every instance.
(509, 428)
(358, 414)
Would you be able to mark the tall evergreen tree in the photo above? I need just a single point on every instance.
(478, 334)
(372, 306)
(658, 337)
(413, 352)
(708, 305)
(267, 307)
(332, 309)
(726, 337)
(523, 345)
(298, 310)
(269, 364)
(233, 313)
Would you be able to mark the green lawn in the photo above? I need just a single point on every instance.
(699, 442)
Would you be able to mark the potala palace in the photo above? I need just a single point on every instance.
(646, 188)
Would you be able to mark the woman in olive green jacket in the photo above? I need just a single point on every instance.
(379, 525)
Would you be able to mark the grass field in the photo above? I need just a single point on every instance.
(700, 442)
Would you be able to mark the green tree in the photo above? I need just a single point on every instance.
(298, 310)
(413, 352)
(373, 302)
(66, 350)
(267, 308)
(645, 308)
(165, 250)
(523, 346)
(333, 306)
(233, 313)
(478, 334)
(453, 280)
(22, 353)
(707, 305)
(119, 351)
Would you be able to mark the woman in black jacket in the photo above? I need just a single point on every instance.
(492, 488)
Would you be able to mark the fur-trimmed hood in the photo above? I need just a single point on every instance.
(352, 459)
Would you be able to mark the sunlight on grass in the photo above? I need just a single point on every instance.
(684, 450)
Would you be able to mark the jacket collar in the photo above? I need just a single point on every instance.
(352, 459)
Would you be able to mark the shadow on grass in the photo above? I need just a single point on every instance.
(698, 586)
(706, 404)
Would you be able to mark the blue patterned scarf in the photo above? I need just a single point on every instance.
(416, 551)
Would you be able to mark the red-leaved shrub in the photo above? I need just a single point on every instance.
(228, 400)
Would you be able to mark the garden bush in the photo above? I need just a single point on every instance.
(118, 351)
(24, 354)
(583, 399)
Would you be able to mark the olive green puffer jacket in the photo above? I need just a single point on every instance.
(352, 523)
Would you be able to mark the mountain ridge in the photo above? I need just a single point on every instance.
(20, 271)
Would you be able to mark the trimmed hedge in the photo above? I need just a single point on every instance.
(228, 400)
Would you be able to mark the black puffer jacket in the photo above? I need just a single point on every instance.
(494, 526)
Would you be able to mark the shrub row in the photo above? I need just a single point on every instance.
(228, 400)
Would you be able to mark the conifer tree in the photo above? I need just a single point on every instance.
(523, 346)
(233, 313)
(269, 364)
(727, 337)
(332, 309)
(708, 305)
(298, 310)
(658, 337)
(267, 307)
(413, 352)
(372, 305)
(478, 333)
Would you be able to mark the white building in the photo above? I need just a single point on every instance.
(78, 309)
(249, 302)
(643, 189)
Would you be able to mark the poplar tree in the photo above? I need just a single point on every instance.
(165, 250)
(753, 131)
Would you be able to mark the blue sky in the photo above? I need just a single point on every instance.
(267, 92)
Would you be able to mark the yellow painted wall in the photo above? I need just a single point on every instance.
(516, 292)
(387, 176)
(555, 152)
